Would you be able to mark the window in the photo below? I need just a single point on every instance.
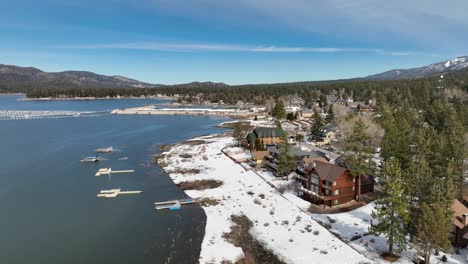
(315, 180)
(354, 188)
(334, 183)
(327, 192)
(336, 192)
(354, 179)
(335, 202)
(314, 189)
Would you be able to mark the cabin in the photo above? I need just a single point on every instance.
(459, 233)
(266, 135)
(328, 184)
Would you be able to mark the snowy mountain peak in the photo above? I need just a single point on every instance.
(442, 67)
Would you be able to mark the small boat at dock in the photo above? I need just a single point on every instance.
(104, 150)
(91, 159)
(175, 204)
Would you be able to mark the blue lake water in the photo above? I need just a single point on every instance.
(49, 212)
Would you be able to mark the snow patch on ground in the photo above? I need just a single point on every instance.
(281, 226)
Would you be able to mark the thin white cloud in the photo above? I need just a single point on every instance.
(193, 47)
(419, 23)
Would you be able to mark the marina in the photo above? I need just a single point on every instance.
(112, 193)
(175, 204)
(109, 171)
(25, 115)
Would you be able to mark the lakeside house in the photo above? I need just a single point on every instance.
(266, 135)
(328, 184)
(299, 156)
(459, 233)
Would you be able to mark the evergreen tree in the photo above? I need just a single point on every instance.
(432, 230)
(285, 162)
(318, 124)
(331, 115)
(238, 133)
(259, 145)
(279, 112)
(392, 210)
(358, 152)
(290, 117)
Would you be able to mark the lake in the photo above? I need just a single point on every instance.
(49, 212)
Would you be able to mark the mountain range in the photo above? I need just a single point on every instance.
(23, 78)
(438, 68)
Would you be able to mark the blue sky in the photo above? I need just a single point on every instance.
(243, 41)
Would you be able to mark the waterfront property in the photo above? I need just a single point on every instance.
(328, 184)
(266, 135)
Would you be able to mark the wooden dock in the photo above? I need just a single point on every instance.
(175, 204)
(112, 193)
(108, 171)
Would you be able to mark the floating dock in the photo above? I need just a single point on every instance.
(114, 192)
(108, 171)
(175, 204)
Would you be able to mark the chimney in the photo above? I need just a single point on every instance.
(465, 219)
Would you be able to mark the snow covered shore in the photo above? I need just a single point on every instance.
(290, 233)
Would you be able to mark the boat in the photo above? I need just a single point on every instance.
(91, 159)
(124, 158)
(104, 150)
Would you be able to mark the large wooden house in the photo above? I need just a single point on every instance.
(328, 184)
(266, 135)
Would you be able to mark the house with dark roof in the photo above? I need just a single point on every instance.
(326, 184)
(266, 135)
(297, 153)
(459, 234)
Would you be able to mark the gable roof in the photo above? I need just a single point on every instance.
(268, 132)
(458, 211)
(327, 171)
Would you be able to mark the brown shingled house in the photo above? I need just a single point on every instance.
(328, 184)
(460, 224)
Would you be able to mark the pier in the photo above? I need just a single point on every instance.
(109, 171)
(114, 192)
(175, 204)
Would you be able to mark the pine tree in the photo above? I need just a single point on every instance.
(238, 133)
(259, 145)
(432, 230)
(392, 210)
(358, 152)
(285, 162)
(279, 112)
(290, 117)
(331, 115)
(318, 124)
